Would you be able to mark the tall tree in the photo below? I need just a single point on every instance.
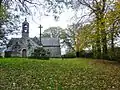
(53, 32)
(2, 20)
(103, 27)
(98, 10)
(113, 20)
(9, 22)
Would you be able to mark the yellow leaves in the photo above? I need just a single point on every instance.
(84, 37)
(3, 13)
(57, 74)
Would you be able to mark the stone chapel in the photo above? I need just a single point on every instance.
(24, 46)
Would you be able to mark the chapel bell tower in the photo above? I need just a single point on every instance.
(25, 29)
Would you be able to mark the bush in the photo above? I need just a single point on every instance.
(84, 54)
(69, 55)
(8, 54)
(1, 57)
(40, 53)
(81, 53)
(114, 55)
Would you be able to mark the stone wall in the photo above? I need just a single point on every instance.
(54, 51)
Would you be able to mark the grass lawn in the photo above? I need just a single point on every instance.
(58, 74)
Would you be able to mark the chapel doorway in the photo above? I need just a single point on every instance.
(24, 53)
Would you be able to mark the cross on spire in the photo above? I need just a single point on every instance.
(40, 33)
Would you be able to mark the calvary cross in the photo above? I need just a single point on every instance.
(40, 33)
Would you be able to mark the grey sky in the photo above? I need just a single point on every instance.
(46, 22)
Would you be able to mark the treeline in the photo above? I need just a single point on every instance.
(98, 36)
(101, 35)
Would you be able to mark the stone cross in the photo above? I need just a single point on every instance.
(40, 33)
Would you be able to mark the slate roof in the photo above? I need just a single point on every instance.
(22, 43)
(9, 49)
(50, 41)
(2, 49)
(47, 41)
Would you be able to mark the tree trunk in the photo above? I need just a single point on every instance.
(98, 43)
(77, 54)
(112, 44)
(103, 36)
(98, 49)
(104, 45)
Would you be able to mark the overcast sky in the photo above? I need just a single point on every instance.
(49, 21)
(46, 22)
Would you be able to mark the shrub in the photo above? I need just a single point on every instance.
(8, 54)
(84, 54)
(114, 55)
(69, 55)
(1, 57)
(40, 53)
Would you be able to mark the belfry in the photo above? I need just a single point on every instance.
(25, 29)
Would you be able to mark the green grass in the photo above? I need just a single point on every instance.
(58, 74)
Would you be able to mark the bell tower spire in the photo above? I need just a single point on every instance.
(25, 29)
